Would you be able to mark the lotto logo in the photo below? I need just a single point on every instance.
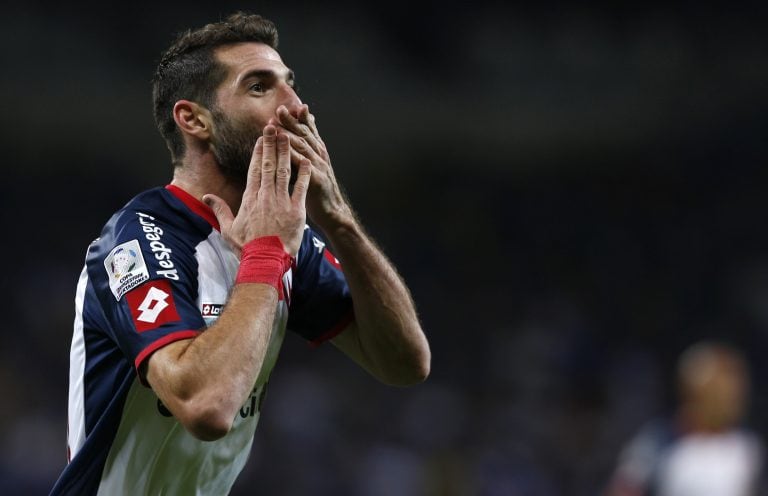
(152, 305)
(212, 309)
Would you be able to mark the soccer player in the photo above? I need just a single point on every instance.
(702, 449)
(185, 297)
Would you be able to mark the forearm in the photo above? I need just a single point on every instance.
(204, 381)
(388, 338)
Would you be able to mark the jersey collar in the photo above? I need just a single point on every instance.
(194, 205)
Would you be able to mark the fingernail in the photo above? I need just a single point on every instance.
(270, 131)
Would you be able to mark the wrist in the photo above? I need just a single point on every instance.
(264, 261)
(344, 232)
(337, 219)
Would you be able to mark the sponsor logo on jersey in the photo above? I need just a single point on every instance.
(318, 244)
(249, 409)
(152, 305)
(162, 253)
(212, 309)
(253, 405)
(125, 268)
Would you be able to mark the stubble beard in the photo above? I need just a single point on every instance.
(233, 146)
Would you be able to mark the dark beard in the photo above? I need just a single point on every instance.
(233, 146)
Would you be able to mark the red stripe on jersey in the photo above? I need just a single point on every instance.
(152, 305)
(195, 205)
(156, 345)
(333, 260)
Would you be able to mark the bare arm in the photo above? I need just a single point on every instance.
(386, 338)
(205, 380)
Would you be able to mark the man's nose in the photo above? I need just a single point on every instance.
(291, 100)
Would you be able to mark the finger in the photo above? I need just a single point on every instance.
(303, 132)
(303, 148)
(269, 159)
(283, 173)
(274, 121)
(296, 158)
(221, 210)
(309, 119)
(291, 123)
(254, 169)
(301, 185)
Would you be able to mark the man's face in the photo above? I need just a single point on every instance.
(257, 83)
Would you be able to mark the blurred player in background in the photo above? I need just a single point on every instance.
(183, 303)
(701, 451)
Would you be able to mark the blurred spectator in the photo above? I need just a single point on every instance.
(701, 450)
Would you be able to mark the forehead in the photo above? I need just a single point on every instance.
(242, 57)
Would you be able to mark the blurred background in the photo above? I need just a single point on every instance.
(574, 193)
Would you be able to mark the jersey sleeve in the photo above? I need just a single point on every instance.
(639, 460)
(321, 304)
(145, 276)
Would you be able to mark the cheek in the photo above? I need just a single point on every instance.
(249, 125)
(255, 123)
(260, 114)
(249, 115)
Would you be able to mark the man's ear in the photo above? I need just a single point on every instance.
(193, 119)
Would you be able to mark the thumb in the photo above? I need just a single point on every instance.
(221, 210)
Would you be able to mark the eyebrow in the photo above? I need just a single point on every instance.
(267, 74)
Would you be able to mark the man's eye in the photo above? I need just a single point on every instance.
(257, 87)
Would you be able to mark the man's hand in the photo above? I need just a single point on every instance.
(204, 380)
(385, 338)
(267, 207)
(326, 204)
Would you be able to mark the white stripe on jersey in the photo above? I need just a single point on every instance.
(76, 408)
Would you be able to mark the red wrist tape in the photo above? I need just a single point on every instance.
(265, 261)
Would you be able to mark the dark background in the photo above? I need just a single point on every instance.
(574, 194)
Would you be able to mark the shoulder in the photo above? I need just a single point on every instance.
(153, 235)
(154, 216)
(313, 248)
(155, 209)
(655, 435)
(639, 459)
(310, 241)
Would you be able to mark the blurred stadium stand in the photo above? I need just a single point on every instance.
(574, 193)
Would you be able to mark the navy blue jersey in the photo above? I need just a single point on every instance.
(161, 272)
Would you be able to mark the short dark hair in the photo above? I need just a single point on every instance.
(188, 70)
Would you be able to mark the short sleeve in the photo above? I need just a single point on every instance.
(321, 304)
(639, 459)
(145, 277)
